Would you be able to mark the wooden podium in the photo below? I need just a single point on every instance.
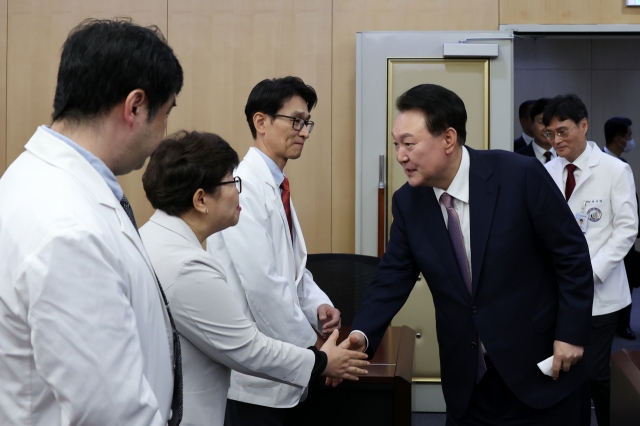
(382, 398)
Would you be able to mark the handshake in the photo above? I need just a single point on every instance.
(344, 361)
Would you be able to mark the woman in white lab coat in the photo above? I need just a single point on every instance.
(189, 181)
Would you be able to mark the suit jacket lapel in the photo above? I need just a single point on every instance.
(439, 236)
(483, 194)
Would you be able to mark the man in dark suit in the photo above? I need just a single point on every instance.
(511, 288)
(619, 139)
(525, 122)
(540, 148)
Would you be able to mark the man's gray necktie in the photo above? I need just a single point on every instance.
(176, 402)
(457, 241)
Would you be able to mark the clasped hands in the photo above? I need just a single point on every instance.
(342, 363)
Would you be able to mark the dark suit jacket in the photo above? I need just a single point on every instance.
(527, 150)
(531, 276)
(519, 143)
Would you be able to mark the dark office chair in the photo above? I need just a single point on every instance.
(345, 278)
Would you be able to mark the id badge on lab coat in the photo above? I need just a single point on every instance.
(582, 220)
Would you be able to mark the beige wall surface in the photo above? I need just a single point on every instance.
(226, 48)
(3, 85)
(36, 31)
(549, 12)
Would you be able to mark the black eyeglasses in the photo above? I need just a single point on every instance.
(298, 123)
(235, 180)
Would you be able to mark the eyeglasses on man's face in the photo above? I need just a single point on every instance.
(298, 123)
(562, 134)
(235, 180)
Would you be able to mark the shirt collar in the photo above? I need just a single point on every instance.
(528, 139)
(459, 188)
(609, 152)
(582, 162)
(278, 175)
(95, 162)
(539, 151)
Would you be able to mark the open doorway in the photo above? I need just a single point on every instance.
(603, 69)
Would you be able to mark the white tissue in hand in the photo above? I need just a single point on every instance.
(546, 365)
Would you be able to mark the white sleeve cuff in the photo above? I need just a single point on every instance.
(366, 340)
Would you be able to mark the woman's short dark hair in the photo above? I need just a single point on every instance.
(616, 126)
(183, 163)
(104, 60)
(269, 96)
(565, 107)
(441, 107)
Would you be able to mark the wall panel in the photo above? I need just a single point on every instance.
(3, 86)
(567, 12)
(226, 48)
(350, 17)
(36, 31)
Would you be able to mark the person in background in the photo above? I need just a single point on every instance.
(540, 148)
(189, 181)
(510, 287)
(619, 139)
(265, 254)
(600, 191)
(525, 122)
(86, 337)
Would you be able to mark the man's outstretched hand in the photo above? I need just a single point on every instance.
(355, 342)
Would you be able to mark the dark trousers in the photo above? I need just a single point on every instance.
(245, 414)
(493, 404)
(598, 356)
(624, 315)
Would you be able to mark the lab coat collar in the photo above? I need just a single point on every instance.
(176, 225)
(57, 153)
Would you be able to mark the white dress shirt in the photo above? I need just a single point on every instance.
(528, 139)
(539, 152)
(459, 190)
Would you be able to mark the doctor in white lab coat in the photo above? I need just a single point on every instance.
(601, 194)
(85, 336)
(265, 254)
(215, 335)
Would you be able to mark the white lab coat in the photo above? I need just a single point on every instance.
(606, 194)
(214, 333)
(85, 336)
(268, 277)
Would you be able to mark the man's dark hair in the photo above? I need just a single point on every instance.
(565, 107)
(538, 107)
(269, 96)
(524, 107)
(616, 126)
(442, 108)
(104, 60)
(183, 163)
